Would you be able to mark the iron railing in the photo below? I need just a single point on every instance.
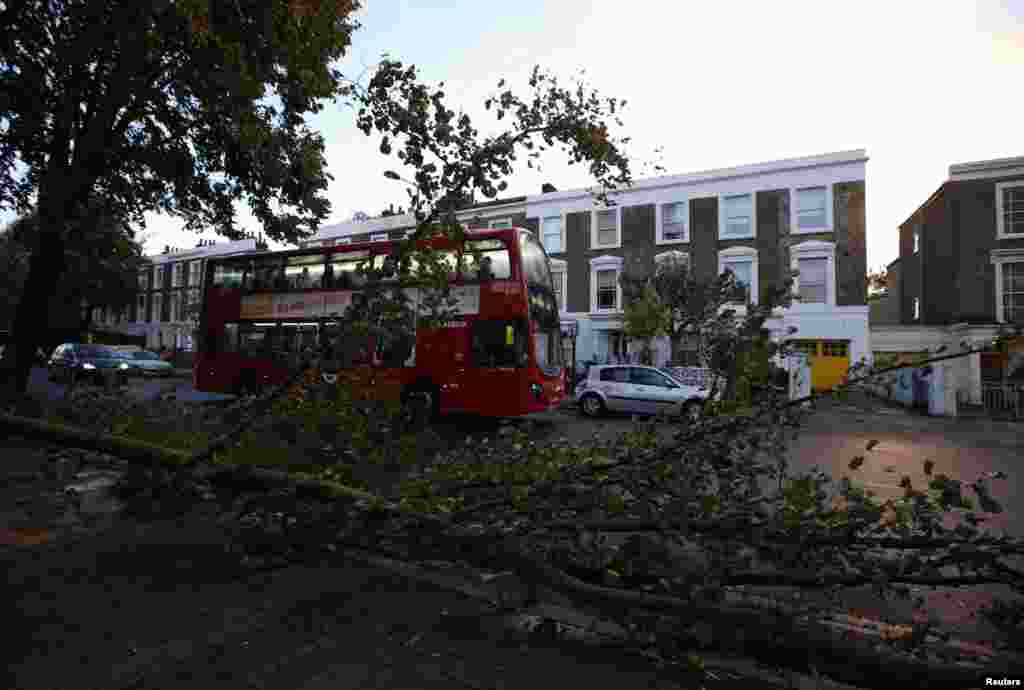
(1003, 398)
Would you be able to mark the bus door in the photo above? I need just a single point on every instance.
(495, 379)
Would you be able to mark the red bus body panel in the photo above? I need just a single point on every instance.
(442, 355)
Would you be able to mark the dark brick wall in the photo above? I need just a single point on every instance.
(577, 241)
(910, 270)
(972, 211)
(638, 248)
(769, 239)
(938, 264)
(704, 237)
(851, 243)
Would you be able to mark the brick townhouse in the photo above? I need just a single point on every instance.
(760, 220)
(960, 273)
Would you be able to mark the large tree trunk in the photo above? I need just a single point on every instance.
(31, 321)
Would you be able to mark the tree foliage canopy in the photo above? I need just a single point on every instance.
(185, 107)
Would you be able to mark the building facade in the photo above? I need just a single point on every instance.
(961, 268)
(760, 220)
(165, 309)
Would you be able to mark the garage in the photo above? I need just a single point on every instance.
(829, 361)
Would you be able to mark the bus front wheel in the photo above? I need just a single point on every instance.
(246, 385)
(422, 404)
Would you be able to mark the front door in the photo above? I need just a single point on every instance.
(654, 392)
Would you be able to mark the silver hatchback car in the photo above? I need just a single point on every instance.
(637, 389)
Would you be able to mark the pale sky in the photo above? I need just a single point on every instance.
(919, 85)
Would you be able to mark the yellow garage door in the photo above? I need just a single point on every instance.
(829, 361)
(831, 365)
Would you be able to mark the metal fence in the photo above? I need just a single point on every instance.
(1003, 398)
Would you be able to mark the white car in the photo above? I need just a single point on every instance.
(637, 389)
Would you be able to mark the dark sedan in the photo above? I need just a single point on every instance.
(90, 362)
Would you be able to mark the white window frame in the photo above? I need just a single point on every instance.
(561, 227)
(815, 249)
(156, 307)
(917, 309)
(141, 313)
(379, 237)
(917, 241)
(1001, 232)
(605, 263)
(178, 274)
(999, 258)
(618, 229)
(195, 297)
(794, 210)
(753, 215)
(561, 267)
(195, 272)
(158, 278)
(175, 312)
(659, 211)
(499, 223)
(739, 255)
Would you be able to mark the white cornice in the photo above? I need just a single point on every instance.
(715, 175)
(998, 167)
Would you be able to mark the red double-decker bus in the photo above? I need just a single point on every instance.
(501, 355)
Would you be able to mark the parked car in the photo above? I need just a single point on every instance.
(637, 389)
(90, 362)
(148, 363)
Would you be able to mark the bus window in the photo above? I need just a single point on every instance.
(341, 271)
(228, 275)
(304, 271)
(416, 263)
(486, 260)
(264, 273)
(498, 343)
(254, 339)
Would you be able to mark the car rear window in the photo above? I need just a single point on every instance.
(618, 375)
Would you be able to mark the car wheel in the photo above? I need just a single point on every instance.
(592, 405)
(693, 410)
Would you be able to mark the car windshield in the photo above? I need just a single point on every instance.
(145, 355)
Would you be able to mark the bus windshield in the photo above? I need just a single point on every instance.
(543, 308)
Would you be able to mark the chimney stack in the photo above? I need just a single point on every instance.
(547, 188)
